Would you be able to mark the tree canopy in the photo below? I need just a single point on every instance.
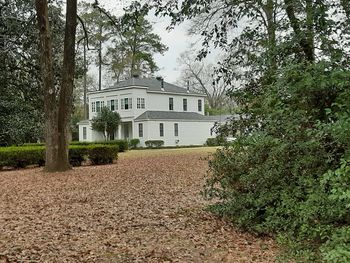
(106, 122)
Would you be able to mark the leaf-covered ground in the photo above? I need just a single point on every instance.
(144, 208)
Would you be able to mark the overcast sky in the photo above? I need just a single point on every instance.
(177, 40)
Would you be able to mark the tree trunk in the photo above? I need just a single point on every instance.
(303, 38)
(269, 10)
(66, 92)
(57, 113)
(50, 103)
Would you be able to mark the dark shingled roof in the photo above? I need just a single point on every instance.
(173, 115)
(152, 84)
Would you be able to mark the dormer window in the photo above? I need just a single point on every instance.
(171, 103)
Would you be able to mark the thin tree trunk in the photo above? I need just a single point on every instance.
(50, 103)
(269, 10)
(66, 92)
(100, 60)
(304, 40)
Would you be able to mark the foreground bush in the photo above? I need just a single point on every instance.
(103, 154)
(288, 173)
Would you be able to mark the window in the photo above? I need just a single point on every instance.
(112, 105)
(176, 129)
(140, 130)
(185, 104)
(140, 103)
(161, 129)
(98, 106)
(199, 105)
(171, 104)
(93, 106)
(126, 103)
(84, 133)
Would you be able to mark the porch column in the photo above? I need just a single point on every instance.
(120, 131)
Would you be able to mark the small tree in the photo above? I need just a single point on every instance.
(106, 122)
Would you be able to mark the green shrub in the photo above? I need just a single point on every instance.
(288, 172)
(77, 154)
(122, 144)
(20, 157)
(211, 142)
(33, 144)
(133, 143)
(154, 143)
(217, 141)
(102, 154)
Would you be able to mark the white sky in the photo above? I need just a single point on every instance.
(177, 41)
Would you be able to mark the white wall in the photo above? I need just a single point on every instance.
(153, 101)
(118, 95)
(190, 132)
(160, 102)
(91, 135)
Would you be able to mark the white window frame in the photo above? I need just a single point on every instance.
(98, 106)
(171, 105)
(161, 129)
(141, 130)
(84, 133)
(93, 106)
(176, 129)
(200, 105)
(185, 104)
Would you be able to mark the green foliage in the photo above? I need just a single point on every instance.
(77, 154)
(288, 172)
(122, 144)
(20, 157)
(21, 101)
(103, 154)
(133, 143)
(106, 122)
(133, 52)
(154, 143)
(218, 141)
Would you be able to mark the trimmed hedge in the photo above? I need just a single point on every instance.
(133, 143)
(122, 144)
(20, 157)
(103, 154)
(154, 143)
(77, 154)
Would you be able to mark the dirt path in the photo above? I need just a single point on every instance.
(145, 208)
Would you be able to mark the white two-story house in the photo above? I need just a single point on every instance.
(151, 109)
